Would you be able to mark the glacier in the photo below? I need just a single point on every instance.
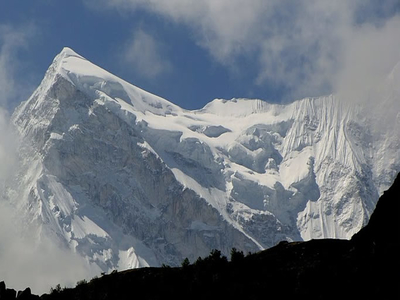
(127, 179)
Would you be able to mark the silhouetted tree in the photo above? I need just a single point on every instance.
(236, 256)
(185, 263)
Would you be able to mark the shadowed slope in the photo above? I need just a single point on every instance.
(365, 267)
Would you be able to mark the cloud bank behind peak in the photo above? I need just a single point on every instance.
(307, 48)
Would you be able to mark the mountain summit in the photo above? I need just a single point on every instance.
(127, 179)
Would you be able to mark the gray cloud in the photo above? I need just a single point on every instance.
(301, 46)
(8, 146)
(27, 259)
(369, 53)
(12, 39)
(144, 55)
(8, 41)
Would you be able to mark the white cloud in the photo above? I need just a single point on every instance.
(12, 39)
(8, 145)
(144, 55)
(8, 40)
(26, 260)
(369, 54)
(224, 27)
(299, 45)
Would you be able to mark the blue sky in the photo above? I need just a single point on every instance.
(191, 52)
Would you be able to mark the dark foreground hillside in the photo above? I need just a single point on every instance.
(367, 266)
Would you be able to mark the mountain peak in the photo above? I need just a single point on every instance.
(67, 52)
(62, 59)
(97, 83)
(149, 182)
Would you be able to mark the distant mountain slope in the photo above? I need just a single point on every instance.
(127, 179)
(365, 267)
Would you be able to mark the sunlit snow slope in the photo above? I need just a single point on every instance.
(128, 179)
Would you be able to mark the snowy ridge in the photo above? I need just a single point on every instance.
(238, 107)
(95, 81)
(128, 179)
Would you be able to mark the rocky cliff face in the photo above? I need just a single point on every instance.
(288, 270)
(127, 179)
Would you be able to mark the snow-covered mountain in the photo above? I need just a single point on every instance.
(128, 179)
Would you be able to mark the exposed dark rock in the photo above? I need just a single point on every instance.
(2, 288)
(383, 226)
(25, 294)
(10, 294)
